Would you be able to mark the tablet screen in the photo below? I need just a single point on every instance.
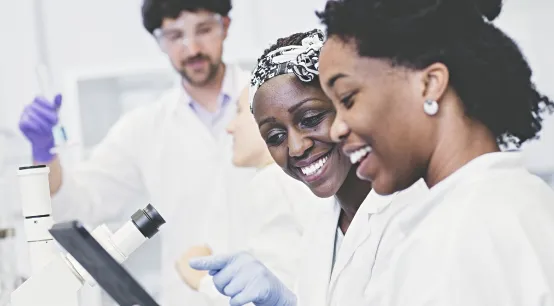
(107, 272)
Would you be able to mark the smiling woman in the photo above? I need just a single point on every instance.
(436, 91)
(294, 117)
(294, 120)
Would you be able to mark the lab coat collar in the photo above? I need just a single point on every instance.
(375, 203)
(485, 162)
(179, 104)
(470, 171)
(312, 289)
(230, 88)
(359, 230)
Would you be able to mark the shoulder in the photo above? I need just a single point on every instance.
(275, 188)
(265, 178)
(510, 209)
(240, 76)
(417, 192)
(160, 107)
(143, 118)
(509, 192)
(275, 182)
(487, 232)
(505, 209)
(238, 71)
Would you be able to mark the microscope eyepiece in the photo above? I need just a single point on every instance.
(148, 221)
(154, 215)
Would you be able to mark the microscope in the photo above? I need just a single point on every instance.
(58, 277)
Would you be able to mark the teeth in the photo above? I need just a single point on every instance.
(357, 155)
(315, 166)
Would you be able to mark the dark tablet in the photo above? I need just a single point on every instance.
(107, 272)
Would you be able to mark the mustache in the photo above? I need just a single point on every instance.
(194, 58)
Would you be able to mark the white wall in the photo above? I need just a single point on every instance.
(16, 85)
(86, 34)
(275, 19)
(17, 56)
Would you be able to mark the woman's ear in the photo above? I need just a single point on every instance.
(435, 79)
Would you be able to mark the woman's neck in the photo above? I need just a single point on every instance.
(460, 143)
(350, 197)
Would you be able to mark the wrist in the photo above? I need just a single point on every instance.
(42, 154)
(289, 298)
(285, 297)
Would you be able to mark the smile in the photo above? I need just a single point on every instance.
(315, 167)
(358, 155)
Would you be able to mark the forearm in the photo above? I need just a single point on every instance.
(86, 190)
(55, 176)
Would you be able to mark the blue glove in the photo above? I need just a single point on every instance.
(245, 280)
(37, 121)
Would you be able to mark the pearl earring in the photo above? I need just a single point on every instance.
(431, 107)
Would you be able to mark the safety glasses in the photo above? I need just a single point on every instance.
(184, 32)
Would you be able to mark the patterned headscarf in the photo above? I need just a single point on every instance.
(301, 60)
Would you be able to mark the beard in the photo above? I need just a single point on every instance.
(213, 67)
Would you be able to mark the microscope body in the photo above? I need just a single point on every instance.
(56, 277)
(56, 284)
(59, 281)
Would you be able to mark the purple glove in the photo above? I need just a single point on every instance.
(36, 123)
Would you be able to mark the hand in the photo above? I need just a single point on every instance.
(36, 123)
(190, 276)
(245, 280)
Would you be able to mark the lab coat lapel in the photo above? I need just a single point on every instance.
(358, 232)
(193, 123)
(233, 82)
(189, 141)
(316, 270)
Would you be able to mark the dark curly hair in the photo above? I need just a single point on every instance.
(487, 69)
(154, 11)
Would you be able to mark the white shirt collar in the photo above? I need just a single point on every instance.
(375, 203)
(485, 162)
(230, 87)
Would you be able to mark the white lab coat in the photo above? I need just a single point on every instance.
(270, 224)
(372, 233)
(165, 151)
(484, 237)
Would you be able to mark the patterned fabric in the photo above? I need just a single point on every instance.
(301, 60)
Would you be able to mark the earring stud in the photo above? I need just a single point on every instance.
(431, 107)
